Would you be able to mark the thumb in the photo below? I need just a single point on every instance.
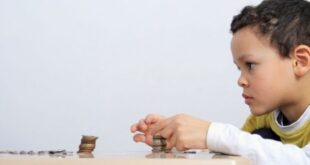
(170, 143)
(149, 139)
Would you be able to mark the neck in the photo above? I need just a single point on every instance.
(295, 109)
(293, 113)
(298, 101)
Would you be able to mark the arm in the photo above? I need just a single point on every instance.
(228, 139)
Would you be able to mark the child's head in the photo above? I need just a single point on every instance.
(285, 22)
(271, 47)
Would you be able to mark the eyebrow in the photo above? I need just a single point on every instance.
(243, 57)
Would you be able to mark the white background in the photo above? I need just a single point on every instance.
(94, 67)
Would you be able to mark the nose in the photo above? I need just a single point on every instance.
(242, 81)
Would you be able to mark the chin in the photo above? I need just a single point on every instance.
(257, 112)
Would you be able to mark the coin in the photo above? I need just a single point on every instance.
(88, 144)
(159, 144)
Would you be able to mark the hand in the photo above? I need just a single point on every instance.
(182, 131)
(141, 129)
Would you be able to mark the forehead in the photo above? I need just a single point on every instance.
(247, 42)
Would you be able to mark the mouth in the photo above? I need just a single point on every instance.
(248, 99)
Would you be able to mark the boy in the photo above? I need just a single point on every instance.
(271, 48)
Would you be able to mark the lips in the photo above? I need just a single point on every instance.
(246, 96)
(248, 99)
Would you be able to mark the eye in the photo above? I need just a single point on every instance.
(250, 65)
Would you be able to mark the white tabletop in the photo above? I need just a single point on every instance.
(129, 158)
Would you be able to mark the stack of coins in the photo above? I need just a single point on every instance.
(159, 144)
(88, 144)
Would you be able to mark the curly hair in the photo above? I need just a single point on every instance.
(285, 22)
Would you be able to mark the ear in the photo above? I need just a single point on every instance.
(301, 59)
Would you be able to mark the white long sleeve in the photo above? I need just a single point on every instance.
(229, 139)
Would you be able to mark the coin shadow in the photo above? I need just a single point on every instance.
(163, 155)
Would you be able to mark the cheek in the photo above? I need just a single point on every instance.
(271, 86)
(283, 76)
(266, 84)
(263, 86)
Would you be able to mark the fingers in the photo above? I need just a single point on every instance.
(153, 118)
(139, 138)
(159, 126)
(181, 144)
(141, 126)
(181, 131)
(149, 139)
(165, 128)
(141, 129)
(170, 142)
(175, 141)
(145, 138)
(134, 128)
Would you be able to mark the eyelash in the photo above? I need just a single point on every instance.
(249, 65)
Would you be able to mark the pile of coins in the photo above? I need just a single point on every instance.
(88, 144)
(159, 144)
(47, 152)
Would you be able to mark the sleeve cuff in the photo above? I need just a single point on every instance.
(214, 136)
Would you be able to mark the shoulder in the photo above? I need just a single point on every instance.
(256, 122)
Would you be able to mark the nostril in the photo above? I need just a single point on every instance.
(242, 82)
